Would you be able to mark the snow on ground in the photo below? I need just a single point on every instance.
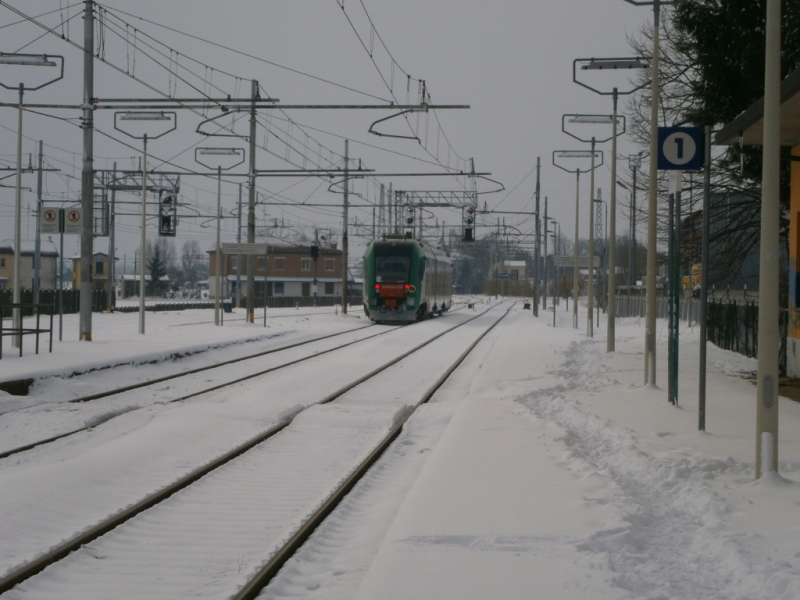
(116, 338)
(544, 469)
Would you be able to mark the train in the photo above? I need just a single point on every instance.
(406, 280)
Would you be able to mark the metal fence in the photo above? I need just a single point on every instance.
(72, 300)
(731, 325)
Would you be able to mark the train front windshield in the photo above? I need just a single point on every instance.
(392, 262)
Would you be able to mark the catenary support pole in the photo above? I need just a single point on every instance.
(239, 256)
(37, 253)
(218, 252)
(344, 227)
(536, 257)
(87, 174)
(61, 284)
(112, 251)
(652, 214)
(143, 241)
(701, 425)
(575, 276)
(16, 296)
(590, 262)
(251, 213)
(544, 278)
(769, 267)
(632, 257)
(611, 241)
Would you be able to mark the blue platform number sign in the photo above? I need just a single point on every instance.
(680, 148)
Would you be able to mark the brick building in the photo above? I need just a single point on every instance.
(287, 271)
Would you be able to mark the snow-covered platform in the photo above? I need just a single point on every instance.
(545, 469)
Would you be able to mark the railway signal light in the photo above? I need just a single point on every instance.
(315, 251)
(168, 216)
(468, 219)
(409, 214)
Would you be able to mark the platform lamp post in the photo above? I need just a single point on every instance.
(610, 64)
(593, 140)
(144, 117)
(23, 60)
(652, 196)
(238, 155)
(580, 154)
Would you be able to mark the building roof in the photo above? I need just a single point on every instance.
(750, 124)
(28, 249)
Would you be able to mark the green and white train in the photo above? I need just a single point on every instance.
(406, 280)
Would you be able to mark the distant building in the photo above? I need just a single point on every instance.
(509, 269)
(290, 272)
(99, 272)
(48, 270)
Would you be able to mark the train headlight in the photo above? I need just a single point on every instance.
(411, 288)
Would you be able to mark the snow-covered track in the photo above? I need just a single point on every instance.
(157, 380)
(295, 542)
(56, 554)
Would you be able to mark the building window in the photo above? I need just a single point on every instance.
(3, 262)
(329, 289)
(98, 270)
(330, 264)
(280, 264)
(261, 263)
(278, 288)
(305, 264)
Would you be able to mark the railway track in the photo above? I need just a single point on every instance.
(190, 373)
(56, 554)
(154, 381)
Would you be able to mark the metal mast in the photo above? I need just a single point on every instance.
(87, 174)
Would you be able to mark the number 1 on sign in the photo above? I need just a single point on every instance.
(679, 144)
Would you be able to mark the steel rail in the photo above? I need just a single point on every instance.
(141, 384)
(39, 564)
(252, 589)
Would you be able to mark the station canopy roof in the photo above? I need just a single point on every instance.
(749, 126)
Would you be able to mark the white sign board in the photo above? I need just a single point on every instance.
(256, 249)
(49, 221)
(73, 221)
(583, 261)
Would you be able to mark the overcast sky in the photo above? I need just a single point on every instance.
(510, 61)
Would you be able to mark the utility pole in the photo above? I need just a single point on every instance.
(37, 255)
(87, 174)
(590, 283)
(239, 256)
(575, 276)
(611, 242)
(544, 293)
(112, 256)
(344, 229)
(251, 213)
(768, 290)
(652, 210)
(538, 243)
